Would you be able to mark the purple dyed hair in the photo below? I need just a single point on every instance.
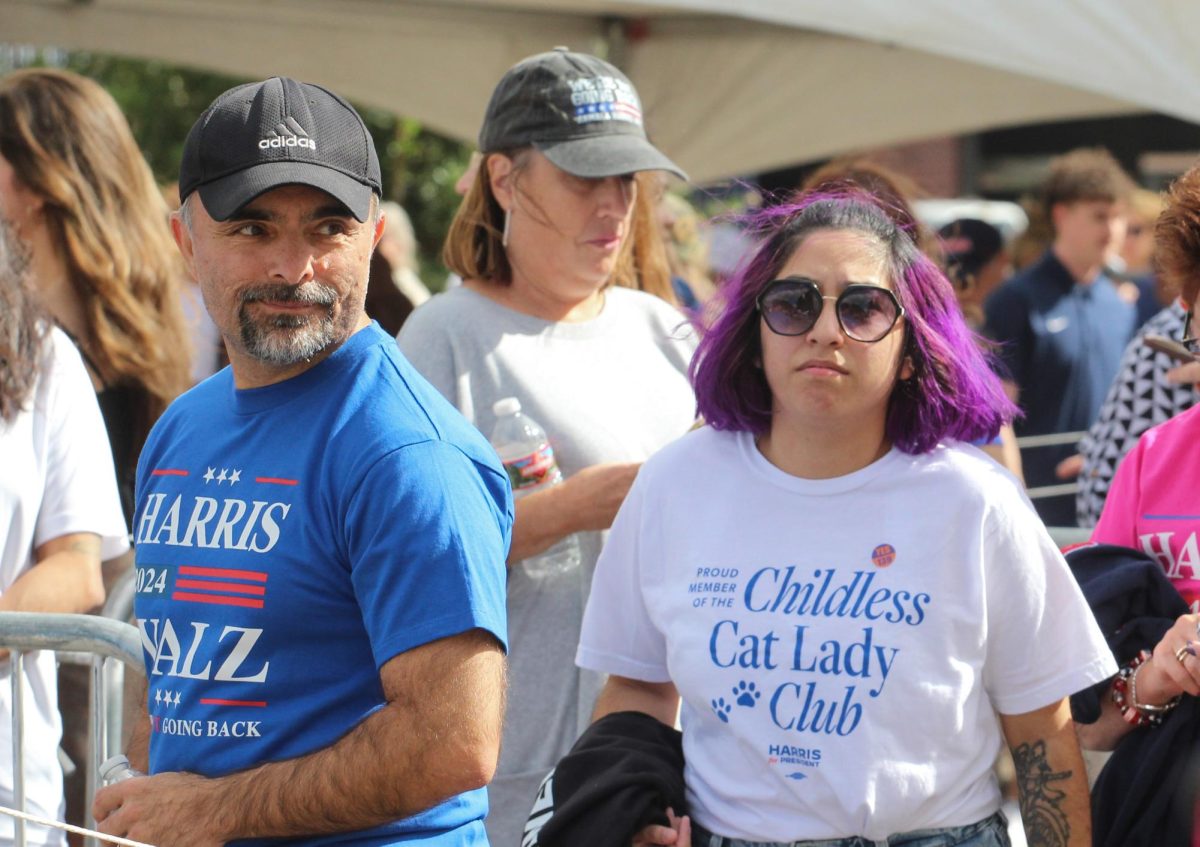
(953, 393)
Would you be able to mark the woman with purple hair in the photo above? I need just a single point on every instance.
(855, 607)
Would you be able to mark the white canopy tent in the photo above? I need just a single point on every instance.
(728, 86)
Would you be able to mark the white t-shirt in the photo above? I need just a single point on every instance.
(56, 478)
(842, 646)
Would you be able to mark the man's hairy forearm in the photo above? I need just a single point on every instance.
(438, 736)
(137, 744)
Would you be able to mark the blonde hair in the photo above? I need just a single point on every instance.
(474, 247)
(68, 142)
(1146, 205)
(686, 244)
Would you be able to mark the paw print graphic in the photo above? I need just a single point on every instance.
(722, 708)
(747, 694)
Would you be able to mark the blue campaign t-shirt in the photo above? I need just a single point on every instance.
(291, 539)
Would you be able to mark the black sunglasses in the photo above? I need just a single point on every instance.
(791, 306)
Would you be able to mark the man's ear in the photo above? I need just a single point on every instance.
(500, 178)
(183, 239)
(1057, 211)
(380, 226)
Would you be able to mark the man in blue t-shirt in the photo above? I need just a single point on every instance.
(320, 536)
(1061, 323)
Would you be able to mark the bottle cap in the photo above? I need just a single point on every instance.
(506, 406)
(112, 766)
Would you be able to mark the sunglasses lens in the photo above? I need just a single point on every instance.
(791, 310)
(867, 314)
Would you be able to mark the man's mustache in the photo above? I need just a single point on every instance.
(312, 293)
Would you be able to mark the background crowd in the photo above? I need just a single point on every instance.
(849, 365)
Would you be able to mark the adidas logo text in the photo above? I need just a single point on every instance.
(290, 141)
(287, 133)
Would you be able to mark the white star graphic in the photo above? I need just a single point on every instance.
(221, 477)
(208, 476)
(176, 698)
(236, 476)
(158, 696)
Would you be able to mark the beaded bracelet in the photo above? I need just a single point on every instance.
(1124, 695)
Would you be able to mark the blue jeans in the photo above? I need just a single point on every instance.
(990, 832)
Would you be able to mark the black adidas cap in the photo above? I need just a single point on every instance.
(262, 135)
(581, 113)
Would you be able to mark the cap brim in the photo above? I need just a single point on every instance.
(608, 155)
(223, 197)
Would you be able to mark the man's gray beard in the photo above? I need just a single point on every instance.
(285, 339)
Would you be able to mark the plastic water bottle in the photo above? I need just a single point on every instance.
(529, 461)
(116, 768)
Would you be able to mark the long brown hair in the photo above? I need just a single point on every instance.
(21, 330)
(68, 142)
(474, 247)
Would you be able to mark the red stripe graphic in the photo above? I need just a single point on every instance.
(217, 600)
(258, 704)
(223, 573)
(235, 587)
(274, 480)
(168, 472)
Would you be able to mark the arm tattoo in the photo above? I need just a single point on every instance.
(1041, 804)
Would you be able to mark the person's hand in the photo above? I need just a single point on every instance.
(1069, 467)
(166, 810)
(596, 493)
(1185, 374)
(1175, 666)
(677, 834)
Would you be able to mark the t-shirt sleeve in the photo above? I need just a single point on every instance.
(618, 635)
(425, 342)
(427, 534)
(1118, 521)
(1043, 643)
(81, 485)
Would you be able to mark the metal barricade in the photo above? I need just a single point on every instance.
(1065, 536)
(101, 639)
(1054, 439)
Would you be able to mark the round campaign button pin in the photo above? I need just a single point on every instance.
(883, 555)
